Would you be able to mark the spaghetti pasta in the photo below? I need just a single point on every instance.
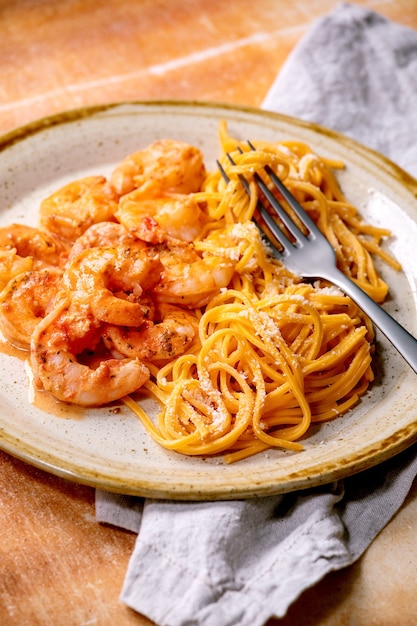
(276, 355)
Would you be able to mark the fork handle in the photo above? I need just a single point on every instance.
(400, 338)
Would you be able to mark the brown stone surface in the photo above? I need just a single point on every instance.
(58, 566)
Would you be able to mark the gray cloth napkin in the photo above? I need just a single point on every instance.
(238, 563)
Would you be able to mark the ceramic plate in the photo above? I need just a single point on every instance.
(109, 448)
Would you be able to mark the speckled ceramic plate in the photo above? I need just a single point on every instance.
(109, 449)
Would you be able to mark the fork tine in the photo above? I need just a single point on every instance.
(222, 172)
(277, 233)
(280, 212)
(294, 204)
(285, 219)
(267, 218)
(283, 216)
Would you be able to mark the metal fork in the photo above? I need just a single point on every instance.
(311, 256)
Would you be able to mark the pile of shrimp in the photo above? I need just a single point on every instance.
(110, 282)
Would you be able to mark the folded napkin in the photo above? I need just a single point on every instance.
(238, 563)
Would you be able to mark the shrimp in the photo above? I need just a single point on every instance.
(154, 341)
(155, 220)
(57, 357)
(187, 278)
(25, 301)
(11, 264)
(69, 211)
(112, 279)
(27, 241)
(164, 166)
(102, 234)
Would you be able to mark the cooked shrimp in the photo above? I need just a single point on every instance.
(154, 341)
(69, 211)
(57, 347)
(102, 234)
(25, 301)
(113, 280)
(155, 220)
(164, 166)
(11, 264)
(27, 241)
(187, 278)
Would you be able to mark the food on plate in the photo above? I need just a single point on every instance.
(68, 331)
(69, 211)
(156, 219)
(25, 301)
(157, 282)
(166, 166)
